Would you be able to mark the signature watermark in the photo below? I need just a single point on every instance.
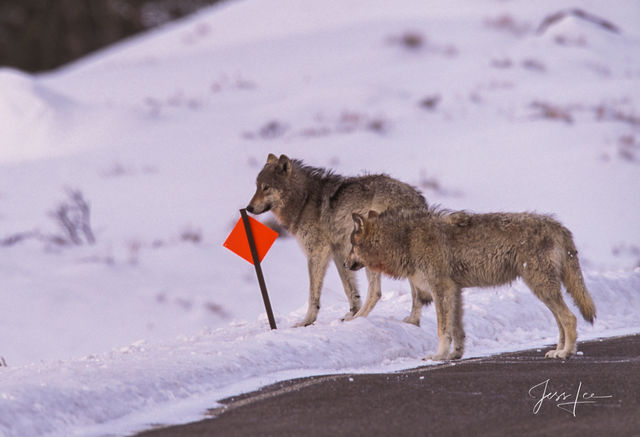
(565, 400)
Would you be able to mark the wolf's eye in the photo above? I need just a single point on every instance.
(265, 187)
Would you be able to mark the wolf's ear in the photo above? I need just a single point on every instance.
(285, 164)
(372, 215)
(272, 159)
(358, 220)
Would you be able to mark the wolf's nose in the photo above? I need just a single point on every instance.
(250, 209)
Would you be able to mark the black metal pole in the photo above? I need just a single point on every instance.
(256, 264)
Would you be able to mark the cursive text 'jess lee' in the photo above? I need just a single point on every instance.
(567, 401)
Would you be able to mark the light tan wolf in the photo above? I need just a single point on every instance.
(445, 252)
(315, 205)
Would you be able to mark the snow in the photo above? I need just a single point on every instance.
(165, 133)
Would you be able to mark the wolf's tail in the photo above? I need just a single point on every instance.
(573, 280)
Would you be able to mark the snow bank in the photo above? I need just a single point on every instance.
(39, 122)
(131, 387)
(28, 111)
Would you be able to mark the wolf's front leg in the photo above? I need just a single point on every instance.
(444, 335)
(455, 322)
(317, 263)
(350, 287)
(419, 297)
(374, 292)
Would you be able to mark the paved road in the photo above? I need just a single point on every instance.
(519, 394)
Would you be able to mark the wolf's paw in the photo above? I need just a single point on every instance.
(362, 312)
(436, 357)
(303, 323)
(348, 316)
(411, 320)
(455, 355)
(559, 354)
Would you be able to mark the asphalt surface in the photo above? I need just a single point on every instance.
(523, 394)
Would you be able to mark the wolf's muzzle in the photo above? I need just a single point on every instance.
(257, 211)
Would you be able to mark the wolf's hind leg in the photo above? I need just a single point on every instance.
(374, 292)
(560, 345)
(547, 289)
(567, 327)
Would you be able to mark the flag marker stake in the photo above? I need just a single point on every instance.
(256, 264)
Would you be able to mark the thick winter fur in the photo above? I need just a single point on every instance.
(315, 205)
(445, 252)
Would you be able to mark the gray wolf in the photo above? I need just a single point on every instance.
(444, 252)
(315, 206)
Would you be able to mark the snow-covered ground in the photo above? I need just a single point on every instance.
(163, 136)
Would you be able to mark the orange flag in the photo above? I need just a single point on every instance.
(238, 243)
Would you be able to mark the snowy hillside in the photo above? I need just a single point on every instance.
(483, 105)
